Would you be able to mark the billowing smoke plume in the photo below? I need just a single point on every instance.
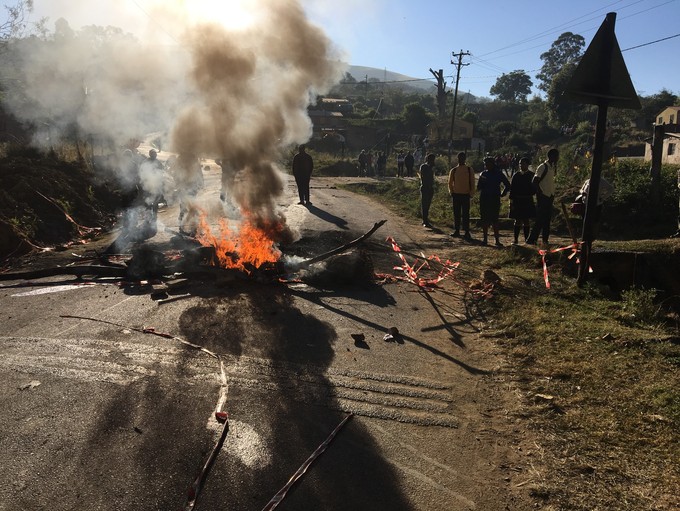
(235, 94)
(251, 92)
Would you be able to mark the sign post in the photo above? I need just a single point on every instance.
(601, 78)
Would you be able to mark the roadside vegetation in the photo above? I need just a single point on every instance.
(598, 368)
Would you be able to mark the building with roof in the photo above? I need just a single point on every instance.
(668, 118)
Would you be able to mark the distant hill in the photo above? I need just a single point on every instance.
(360, 72)
(407, 83)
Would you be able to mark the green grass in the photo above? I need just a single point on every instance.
(599, 373)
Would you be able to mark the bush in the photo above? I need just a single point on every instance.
(633, 199)
(638, 304)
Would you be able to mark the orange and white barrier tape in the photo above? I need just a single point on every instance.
(574, 247)
(411, 270)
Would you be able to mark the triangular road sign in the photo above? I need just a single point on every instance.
(601, 75)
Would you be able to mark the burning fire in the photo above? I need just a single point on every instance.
(251, 246)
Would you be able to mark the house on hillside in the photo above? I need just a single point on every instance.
(336, 105)
(669, 116)
(671, 143)
(462, 130)
(326, 120)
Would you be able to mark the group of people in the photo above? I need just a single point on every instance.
(367, 166)
(531, 217)
(406, 163)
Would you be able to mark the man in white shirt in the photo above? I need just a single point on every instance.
(545, 195)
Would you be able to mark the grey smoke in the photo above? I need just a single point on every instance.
(236, 95)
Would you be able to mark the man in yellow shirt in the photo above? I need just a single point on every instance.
(461, 188)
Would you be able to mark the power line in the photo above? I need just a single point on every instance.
(652, 42)
(154, 21)
(555, 29)
(571, 24)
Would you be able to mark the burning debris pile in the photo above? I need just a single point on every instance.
(206, 257)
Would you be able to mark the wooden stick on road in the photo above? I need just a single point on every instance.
(343, 248)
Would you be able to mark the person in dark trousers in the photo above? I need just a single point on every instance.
(303, 165)
(677, 233)
(381, 164)
(522, 207)
(544, 184)
(400, 164)
(151, 192)
(461, 188)
(409, 162)
(426, 174)
(363, 162)
(489, 186)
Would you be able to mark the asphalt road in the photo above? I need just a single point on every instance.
(100, 416)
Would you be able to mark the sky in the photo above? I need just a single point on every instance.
(410, 36)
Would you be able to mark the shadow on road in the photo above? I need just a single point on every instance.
(316, 299)
(328, 217)
(285, 395)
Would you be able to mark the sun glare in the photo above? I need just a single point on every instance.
(232, 14)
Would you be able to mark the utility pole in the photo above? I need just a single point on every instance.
(458, 65)
(657, 156)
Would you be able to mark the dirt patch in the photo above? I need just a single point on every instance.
(47, 202)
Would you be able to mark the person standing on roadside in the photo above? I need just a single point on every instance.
(522, 207)
(409, 163)
(677, 233)
(303, 165)
(363, 162)
(426, 175)
(400, 164)
(489, 186)
(544, 185)
(461, 189)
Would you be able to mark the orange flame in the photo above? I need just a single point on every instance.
(251, 245)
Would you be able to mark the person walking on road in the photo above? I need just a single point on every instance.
(426, 174)
(303, 165)
(461, 189)
(544, 184)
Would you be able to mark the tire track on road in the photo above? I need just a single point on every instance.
(401, 398)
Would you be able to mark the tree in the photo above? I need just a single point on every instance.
(415, 118)
(348, 78)
(567, 49)
(563, 111)
(512, 87)
(15, 23)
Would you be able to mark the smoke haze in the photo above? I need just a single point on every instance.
(235, 89)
